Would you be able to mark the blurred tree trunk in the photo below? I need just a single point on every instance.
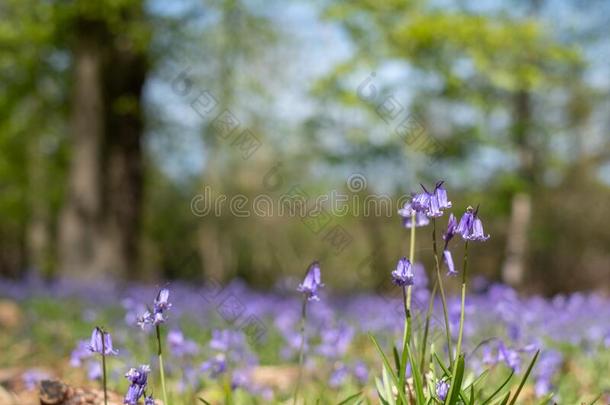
(123, 165)
(38, 237)
(80, 219)
(513, 269)
(100, 221)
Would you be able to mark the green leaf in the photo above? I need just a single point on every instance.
(350, 398)
(204, 401)
(390, 370)
(505, 399)
(417, 377)
(595, 399)
(471, 400)
(527, 373)
(456, 381)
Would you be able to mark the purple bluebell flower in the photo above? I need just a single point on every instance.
(452, 225)
(403, 275)
(442, 389)
(471, 227)
(441, 196)
(448, 258)
(80, 353)
(149, 400)
(215, 366)
(421, 202)
(101, 342)
(509, 356)
(133, 395)
(361, 372)
(94, 370)
(157, 317)
(311, 283)
(162, 301)
(420, 220)
(179, 346)
(138, 379)
(32, 377)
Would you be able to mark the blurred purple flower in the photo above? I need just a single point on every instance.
(138, 379)
(449, 262)
(442, 389)
(420, 220)
(101, 342)
(179, 346)
(471, 226)
(32, 377)
(403, 275)
(311, 283)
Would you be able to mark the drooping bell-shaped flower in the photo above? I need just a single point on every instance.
(403, 275)
(421, 202)
(441, 196)
(162, 301)
(471, 226)
(101, 342)
(465, 226)
(477, 233)
(449, 262)
(138, 379)
(311, 283)
(420, 220)
(452, 225)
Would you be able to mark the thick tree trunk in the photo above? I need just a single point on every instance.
(79, 221)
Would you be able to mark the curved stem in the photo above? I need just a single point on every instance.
(301, 349)
(463, 302)
(442, 290)
(161, 370)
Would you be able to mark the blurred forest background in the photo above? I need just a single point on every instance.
(115, 114)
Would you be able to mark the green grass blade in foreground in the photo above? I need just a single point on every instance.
(505, 399)
(350, 398)
(595, 399)
(417, 378)
(204, 401)
(496, 392)
(456, 382)
(527, 373)
(401, 393)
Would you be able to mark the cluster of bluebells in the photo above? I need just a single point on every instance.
(161, 305)
(138, 380)
(427, 205)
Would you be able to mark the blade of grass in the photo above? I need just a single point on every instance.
(391, 371)
(527, 373)
(496, 392)
(417, 378)
(350, 398)
(595, 399)
(456, 381)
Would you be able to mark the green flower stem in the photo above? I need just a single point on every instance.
(301, 349)
(463, 302)
(161, 370)
(104, 368)
(442, 290)
(427, 327)
(406, 297)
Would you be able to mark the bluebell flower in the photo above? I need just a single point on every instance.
(449, 262)
(406, 213)
(421, 202)
(101, 342)
(149, 400)
(157, 317)
(311, 283)
(452, 226)
(471, 226)
(138, 379)
(403, 275)
(441, 196)
(442, 389)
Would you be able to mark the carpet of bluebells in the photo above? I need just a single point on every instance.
(300, 343)
(234, 334)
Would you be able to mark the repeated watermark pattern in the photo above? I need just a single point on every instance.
(405, 125)
(225, 124)
(230, 307)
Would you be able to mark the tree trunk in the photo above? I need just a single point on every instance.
(79, 221)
